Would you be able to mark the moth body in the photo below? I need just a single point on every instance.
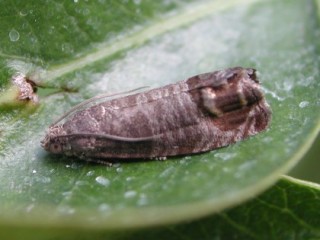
(202, 113)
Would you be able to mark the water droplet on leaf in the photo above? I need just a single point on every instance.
(14, 35)
(303, 104)
(130, 194)
(23, 13)
(90, 173)
(103, 181)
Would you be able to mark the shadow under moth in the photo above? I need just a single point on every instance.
(202, 113)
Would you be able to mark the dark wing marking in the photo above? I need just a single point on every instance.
(219, 78)
(91, 100)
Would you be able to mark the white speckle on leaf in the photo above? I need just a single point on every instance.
(44, 179)
(67, 195)
(23, 13)
(103, 207)
(205, 160)
(267, 139)
(33, 40)
(129, 179)
(75, 165)
(103, 181)
(116, 165)
(51, 29)
(90, 173)
(80, 183)
(67, 48)
(147, 186)
(247, 165)
(66, 210)
(273, 94)
(303, 104)
(142, 199)
(29, 208)
(130, 194)
(182, 161)
(225, 156)
(167, 172)
(14, 35)
(226, 170)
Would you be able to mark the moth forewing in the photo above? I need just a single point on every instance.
(202, 113)
(94, 101)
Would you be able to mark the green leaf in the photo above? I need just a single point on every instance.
(289, 210)
(84, 48)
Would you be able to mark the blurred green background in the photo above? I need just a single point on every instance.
(309, 166)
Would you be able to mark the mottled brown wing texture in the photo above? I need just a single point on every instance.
(202, 113)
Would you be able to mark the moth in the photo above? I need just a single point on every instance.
(205, 112)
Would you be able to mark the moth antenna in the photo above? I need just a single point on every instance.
(90, 100)
(111, 137)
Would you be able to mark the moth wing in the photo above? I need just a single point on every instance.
(96, 100)
(112, 137)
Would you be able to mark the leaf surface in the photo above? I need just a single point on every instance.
(95, 47)
(288, 210)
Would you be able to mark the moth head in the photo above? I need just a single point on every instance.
(235, 89)
(53, 142)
